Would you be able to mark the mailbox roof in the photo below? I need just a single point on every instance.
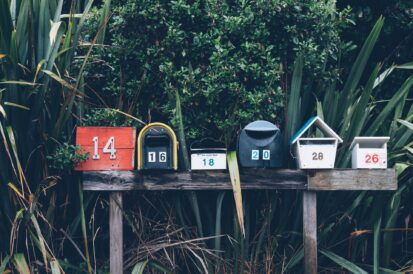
(371, 140)
(320, 124)
(261, 125)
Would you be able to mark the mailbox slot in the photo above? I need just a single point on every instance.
(260, 145)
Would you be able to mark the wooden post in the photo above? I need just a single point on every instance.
(310, 231)
(116, 232)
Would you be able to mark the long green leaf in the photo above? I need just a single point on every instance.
(40, 239)
(376, 246)
(139, 268)
(343, 262)
(293, 107)
(4, 263)
(236, 188)
(218, 218)
(358, 67)
(6, 26)
(84, 231)
(20, 263)
(394, 101)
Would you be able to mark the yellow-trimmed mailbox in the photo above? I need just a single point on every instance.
(157, 148)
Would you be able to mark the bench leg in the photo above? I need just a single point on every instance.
(310, 231)
(116, 233)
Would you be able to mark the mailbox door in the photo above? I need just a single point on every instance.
(208, 161)
(110, 148)
(312, 156)
(254, 151)
(157, 152)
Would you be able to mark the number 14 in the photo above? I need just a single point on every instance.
(108, 148)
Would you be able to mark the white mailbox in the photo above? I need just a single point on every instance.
(315, 152)
(369, 152)
(208, 154)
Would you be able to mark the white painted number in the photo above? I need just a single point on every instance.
(95, 150)
(255, 154)
(108, 148)
(266, 154)
(162, 157)
(151, 157)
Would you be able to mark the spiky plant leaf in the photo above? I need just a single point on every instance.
(236, 188)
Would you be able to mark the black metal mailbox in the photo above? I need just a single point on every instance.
(157, 148)
(260, 145)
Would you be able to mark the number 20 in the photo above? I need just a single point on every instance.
(108, 148)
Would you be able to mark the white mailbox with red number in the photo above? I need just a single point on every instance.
(369, 152)
(313, 152)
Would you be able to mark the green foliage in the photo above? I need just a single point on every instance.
(106, 117)
(227, 58)
(66, 157)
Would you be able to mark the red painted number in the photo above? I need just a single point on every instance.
(372, 159)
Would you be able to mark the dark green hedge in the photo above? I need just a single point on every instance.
(229, 60)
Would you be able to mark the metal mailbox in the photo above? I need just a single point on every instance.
(260, 145)
(110, 148)
(208, 154)
(369, 152)
(157, 148)
(315, 152)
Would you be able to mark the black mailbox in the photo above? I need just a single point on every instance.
(260, 145)
(157, 148)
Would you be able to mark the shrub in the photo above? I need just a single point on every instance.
(231, 59)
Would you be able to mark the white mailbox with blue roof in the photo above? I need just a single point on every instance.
(315, 152)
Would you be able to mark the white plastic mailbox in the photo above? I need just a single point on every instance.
(315, 152)
(369, 152)
(208, 154)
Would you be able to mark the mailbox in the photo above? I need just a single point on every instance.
(315, 152)
(260, 145)
(369, 152)
(157, 148)
(110, 148)
(208, 154)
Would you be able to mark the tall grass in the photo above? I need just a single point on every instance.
(39, 96)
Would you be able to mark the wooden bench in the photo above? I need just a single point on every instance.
(309, 181)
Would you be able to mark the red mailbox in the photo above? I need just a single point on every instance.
(110, 148)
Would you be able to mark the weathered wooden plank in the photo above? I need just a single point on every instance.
(116, 232)
(335, 179)
(352, 179)
(310, 232)
(195, 180)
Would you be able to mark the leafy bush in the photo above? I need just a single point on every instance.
(229, 58)
(66, 157)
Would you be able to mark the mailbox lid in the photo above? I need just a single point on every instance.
(124, 144)
(328, 132)
(208, 154)
(370, 141)
(259, 134)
